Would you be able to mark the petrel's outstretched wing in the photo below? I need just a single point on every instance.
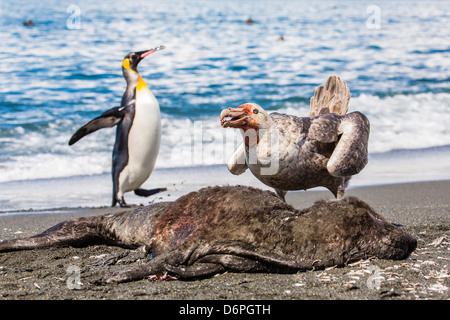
(332, 97)
(108, 119)
(350, 155)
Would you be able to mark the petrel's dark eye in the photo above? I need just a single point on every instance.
(255, 111)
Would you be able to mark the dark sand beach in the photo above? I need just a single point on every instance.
(421, 208)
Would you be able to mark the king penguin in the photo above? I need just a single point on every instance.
(138, 134)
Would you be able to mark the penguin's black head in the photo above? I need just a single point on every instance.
(132, 59)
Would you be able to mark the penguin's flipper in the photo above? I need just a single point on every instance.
(148, 192)
(107, 120)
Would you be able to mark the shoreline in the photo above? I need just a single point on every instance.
(386, 199)
(299, 199)
(421, 208)
(398, 166)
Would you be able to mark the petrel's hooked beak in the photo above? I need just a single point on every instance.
(233, 117)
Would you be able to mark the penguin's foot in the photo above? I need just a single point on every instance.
(123, 204)
(148, 192)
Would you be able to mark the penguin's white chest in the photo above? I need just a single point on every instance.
(143, 141)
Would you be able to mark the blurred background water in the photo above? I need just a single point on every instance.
(66, 69)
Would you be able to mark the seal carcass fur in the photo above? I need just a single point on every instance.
(236, 229)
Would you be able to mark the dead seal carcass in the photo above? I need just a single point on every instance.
(236, 229)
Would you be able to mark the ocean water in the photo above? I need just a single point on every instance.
(62, 72)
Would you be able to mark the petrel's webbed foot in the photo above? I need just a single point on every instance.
(341, 188)
(148, 192)
(281, 194)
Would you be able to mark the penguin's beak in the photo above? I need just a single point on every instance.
(143, 54)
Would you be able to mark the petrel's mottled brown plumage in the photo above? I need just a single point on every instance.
(325, 149)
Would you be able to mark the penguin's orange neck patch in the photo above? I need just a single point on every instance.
(141, 84)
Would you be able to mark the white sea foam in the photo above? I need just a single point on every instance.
(397, 122)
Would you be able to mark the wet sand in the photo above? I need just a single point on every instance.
(422, 208)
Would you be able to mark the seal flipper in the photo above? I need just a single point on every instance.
(77, 233)
(237, 256)
(148, 192)
(108, 119)
(130, 274)
(197, 271)
(213, 264)
(154, 266)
